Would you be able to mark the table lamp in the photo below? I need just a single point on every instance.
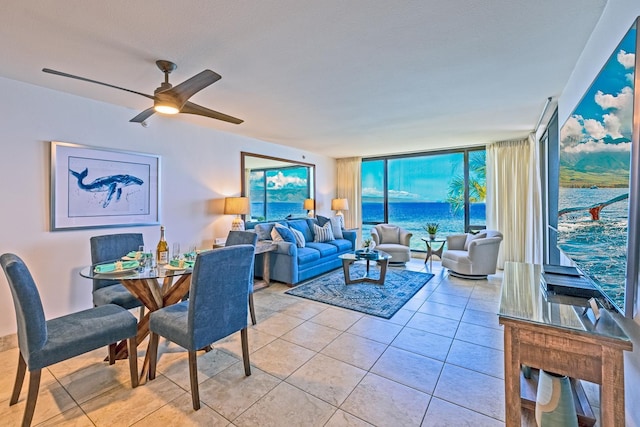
(309, 206)
(340, 205)
(236, 206)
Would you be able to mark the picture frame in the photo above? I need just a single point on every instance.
(95, 187)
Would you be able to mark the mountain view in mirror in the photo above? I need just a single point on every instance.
(276, 188)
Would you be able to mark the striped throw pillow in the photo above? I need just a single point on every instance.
(323, 234)
(300, 242)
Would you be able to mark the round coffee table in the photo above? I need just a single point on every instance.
(379, 257)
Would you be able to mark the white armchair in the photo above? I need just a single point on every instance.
(472, 256)
(393, 240)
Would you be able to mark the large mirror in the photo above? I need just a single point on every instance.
(277, 188)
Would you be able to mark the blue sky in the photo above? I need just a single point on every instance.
(419, 179)
(605, 112)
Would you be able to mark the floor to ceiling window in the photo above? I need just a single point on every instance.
(447, 188)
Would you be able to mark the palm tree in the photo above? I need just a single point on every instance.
(477, 182)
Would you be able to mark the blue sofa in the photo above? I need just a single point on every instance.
(291, 264)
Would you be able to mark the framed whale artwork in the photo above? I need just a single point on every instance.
(98, 187)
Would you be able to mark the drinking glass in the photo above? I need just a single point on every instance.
(192, 251)
(142, 258)
(176, 251)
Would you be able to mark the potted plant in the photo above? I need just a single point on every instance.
(432, 229)
(367, 244)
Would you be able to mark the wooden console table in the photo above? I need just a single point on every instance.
(557, 337)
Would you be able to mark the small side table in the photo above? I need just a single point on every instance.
(432, 250)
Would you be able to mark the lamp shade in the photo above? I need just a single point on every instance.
(339, 205)
(308, 204)
(236, 206)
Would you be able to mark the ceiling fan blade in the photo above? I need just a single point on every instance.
(191, 108)
(143, 116)
(189, 87)
(84, 79)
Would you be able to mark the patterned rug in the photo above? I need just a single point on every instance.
(382, 301)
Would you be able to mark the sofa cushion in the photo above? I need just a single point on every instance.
(302, 226)
(300, 241)
(342, 244)
(472, 237)
(281, 233)
(264, 230)
(325, 249)
(323, 234)
(308, 255)
(388, 233)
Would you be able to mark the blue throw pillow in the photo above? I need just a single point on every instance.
(302, 226)
(284, 232)
(322, 220)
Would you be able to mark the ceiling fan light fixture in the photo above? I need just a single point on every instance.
(165, 108)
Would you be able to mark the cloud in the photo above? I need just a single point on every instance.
(279, 181)
(612, 125)
(598, 147)
(627, 60)
(371, 192)
(571, 132)
(629, 77)
(394, 194)
(594, 128)
(402, 195)
(618, 102)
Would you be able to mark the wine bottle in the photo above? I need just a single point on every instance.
(162, 250)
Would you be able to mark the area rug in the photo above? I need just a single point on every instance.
(382, 301)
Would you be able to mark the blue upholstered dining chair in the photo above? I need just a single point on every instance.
(110, 247)
(216, 308)
(236, 237)
(45, 342)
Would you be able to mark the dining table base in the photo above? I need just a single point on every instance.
(154, 296)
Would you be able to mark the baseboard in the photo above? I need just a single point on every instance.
(8, 342)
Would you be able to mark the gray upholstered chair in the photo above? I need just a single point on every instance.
(108, 248)
(393, 240)
(217, 307)
(236, 237)
(472, 256)
(45, 342)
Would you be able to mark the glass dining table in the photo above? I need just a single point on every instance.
(156, 287)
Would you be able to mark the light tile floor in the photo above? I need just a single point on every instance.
(437, 362)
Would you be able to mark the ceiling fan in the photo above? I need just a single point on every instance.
(169, 99)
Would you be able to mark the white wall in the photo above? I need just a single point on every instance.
(200, 166)
(616, 20)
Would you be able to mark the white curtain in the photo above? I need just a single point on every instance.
(349, 186)
(514, 203)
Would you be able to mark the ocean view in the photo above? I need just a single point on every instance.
(598, 247)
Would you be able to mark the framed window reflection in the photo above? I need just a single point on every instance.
(276, 187)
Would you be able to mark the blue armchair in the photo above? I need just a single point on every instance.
(217, 307)
(236, 237)
(45, 342)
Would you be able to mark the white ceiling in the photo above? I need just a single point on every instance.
(340, 78)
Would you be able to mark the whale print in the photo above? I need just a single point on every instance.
(112, 184)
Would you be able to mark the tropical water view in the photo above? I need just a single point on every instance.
(599, 247)
(412, 216)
